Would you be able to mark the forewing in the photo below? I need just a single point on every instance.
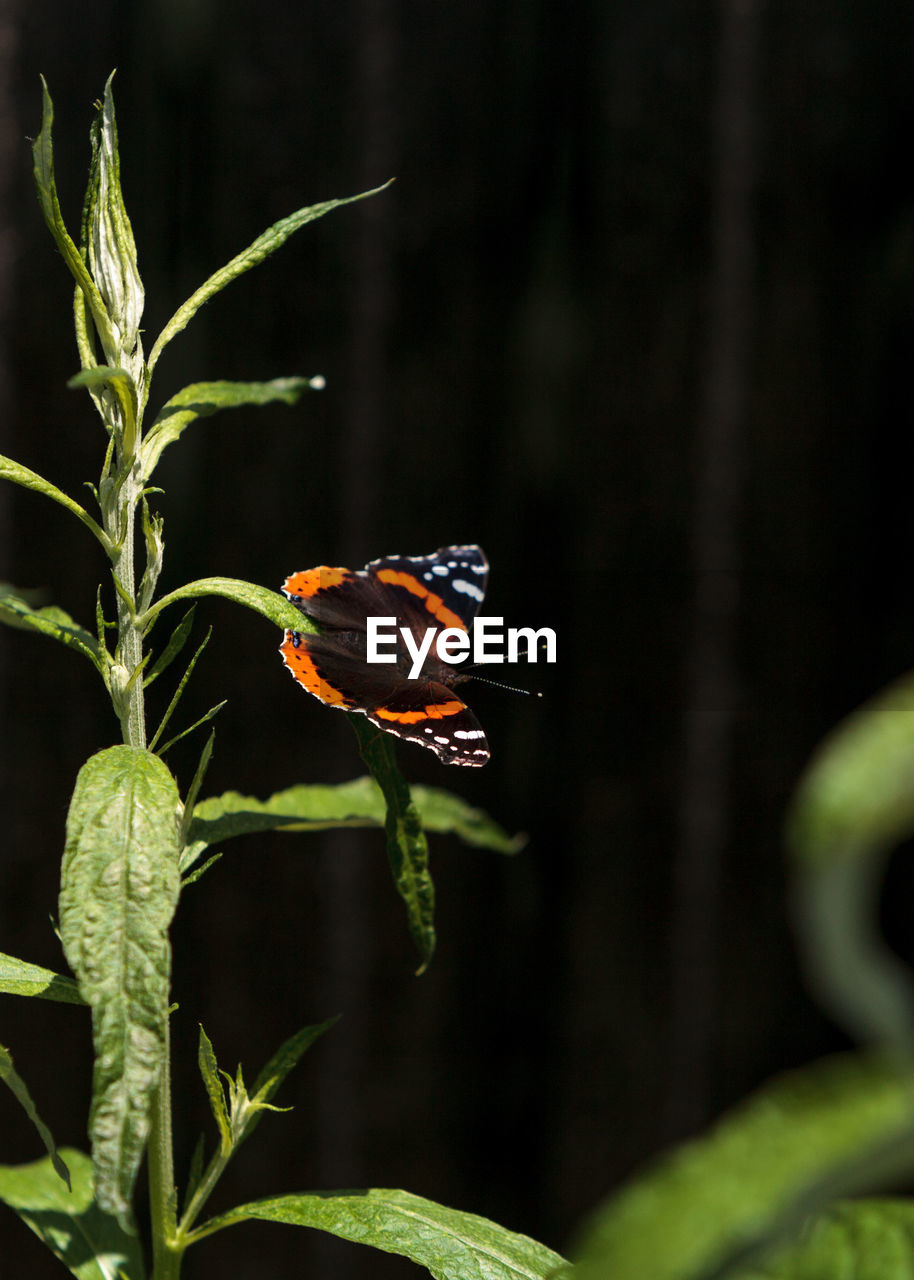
(339, 599)
(338, 677)
(450, 584)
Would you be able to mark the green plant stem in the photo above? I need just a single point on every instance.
(213, 1173)
(166, 1252)
(133, 717)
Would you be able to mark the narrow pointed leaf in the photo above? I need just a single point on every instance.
(286, 1058)
(451, 1245)
(215, 1091)
(204, 719)
(267, 243)
(176, 643)
(856, 1240)
(180, 690)
(11, 1078)
(18, 474)
(269, 603)
(190, 804)
(119, 889)
(16, 611)
(18, 978)
(407, 848)
(90, 1243)
(43, 168)
(852, 806)
(202, 399)
(839, 1127)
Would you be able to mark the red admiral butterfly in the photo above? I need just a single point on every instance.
(439, 591)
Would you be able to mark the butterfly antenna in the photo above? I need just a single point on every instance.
(511, 688)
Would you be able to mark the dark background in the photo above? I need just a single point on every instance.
(637, 317)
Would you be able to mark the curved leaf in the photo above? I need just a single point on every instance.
(267, 243)
(16, 611)
(202, 399)
(853, 804)
(359, 803)
(407, 848)
(269, 603)
(18, 978)
(828, 1130)
(18, 474)
(91, 1244)
(43, 169)
(119, 889)
(10, 1077)
(451, 1245)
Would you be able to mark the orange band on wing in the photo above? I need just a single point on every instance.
(307, 582)
(437, 711)
(433, 603)
(303, 668)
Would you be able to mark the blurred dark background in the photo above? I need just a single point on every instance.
(637, 316)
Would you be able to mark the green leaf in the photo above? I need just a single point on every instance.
(109, 244)
(359, 803)
(835, 1128)
(176, 643)
(209, 1070)
(286, 1058)
(407, 848)
(91, 1244)
(43, 168)
(451, 1245)
(853, 804)
(202, 399)
(120, 382)
(182, 683)
(16, 611)
(19, 978)
(119, 889)
(18, 474)
(267, 243)
(204, 719)
(269, 603)
(860, 1240)
(10, 1077)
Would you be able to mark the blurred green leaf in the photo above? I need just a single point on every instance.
(202, 399)
(838, 1127)
(91, 1244)
(119, 889)
(18, 978)
(451, 1245)
(853, 804)
(860, 1240)
(16, 611)
(11, 1078)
